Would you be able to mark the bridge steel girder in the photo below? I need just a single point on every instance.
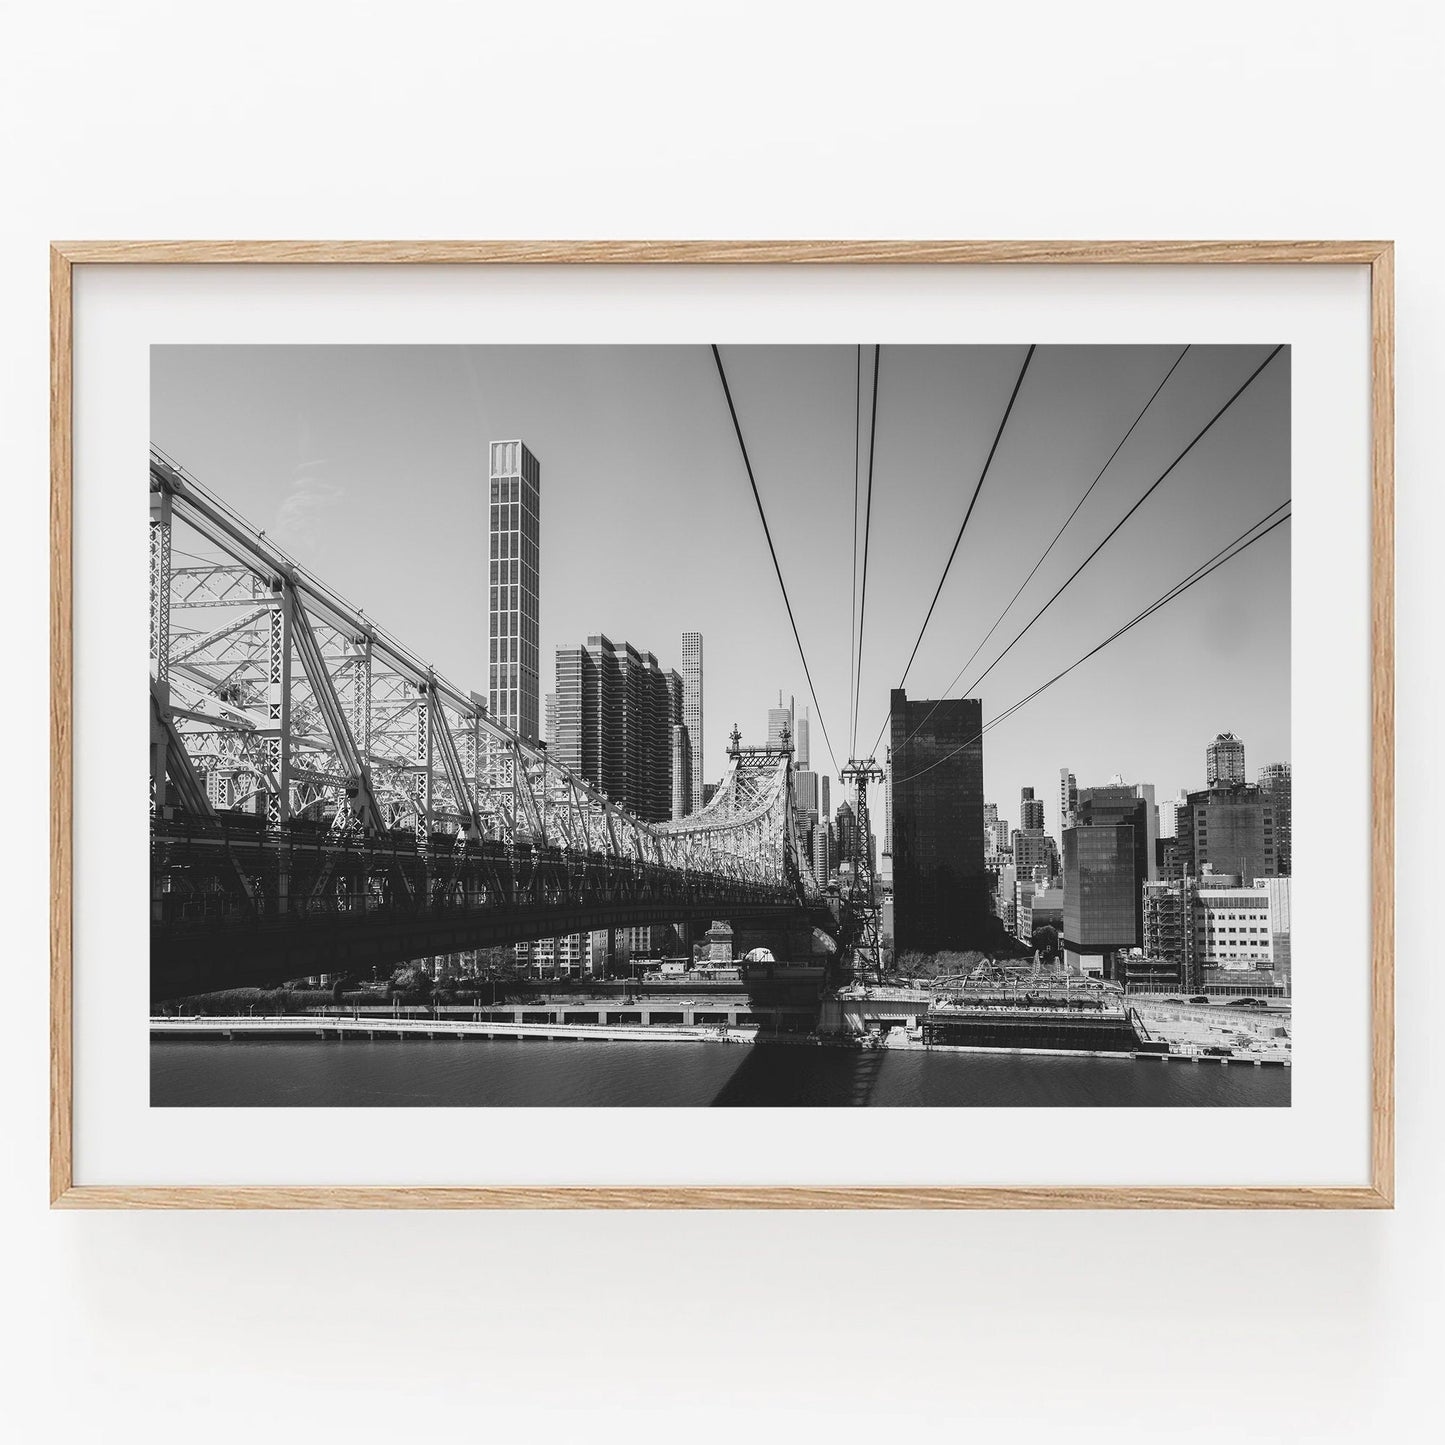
(312, 771)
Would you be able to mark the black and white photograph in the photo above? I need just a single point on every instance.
(645, 725)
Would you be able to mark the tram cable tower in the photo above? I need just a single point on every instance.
(861, 899)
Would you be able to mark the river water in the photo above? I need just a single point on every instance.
(501, 1072)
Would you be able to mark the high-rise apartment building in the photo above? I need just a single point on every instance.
(1274, 783)
(512, 614)
(549, 719)
(692, 710)
(1231, 830)
(1031, 812)
(573, 955)
(1034, 853)
(1224, 760)
(940, 885)
(616, 711)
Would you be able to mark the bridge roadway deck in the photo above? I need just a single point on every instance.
(314, 905)
(199, 956)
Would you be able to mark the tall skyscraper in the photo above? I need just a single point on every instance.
(940, 885)
(1031, 812)
(516, 480)
(822, 860)
(805, 789)
(692, 709)
(616, 711)
(1274, 783)
(1224, 760)
(512, 613)
(800, 742)
(824, 808)
(780, 717)
(549, 719)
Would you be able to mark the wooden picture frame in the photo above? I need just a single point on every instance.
(1377, 256)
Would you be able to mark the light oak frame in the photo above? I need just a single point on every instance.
(1378, 256)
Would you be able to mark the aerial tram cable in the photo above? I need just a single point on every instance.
(857, 443)
(773, 551)
(867, 529)
(1226, 554)
(963, 526)
(1113, 531)
(1045, 555)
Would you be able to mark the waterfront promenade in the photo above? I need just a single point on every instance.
(340, 1026)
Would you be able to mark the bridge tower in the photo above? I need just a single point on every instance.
(861, 900)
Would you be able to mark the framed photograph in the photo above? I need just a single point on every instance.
(722, 724)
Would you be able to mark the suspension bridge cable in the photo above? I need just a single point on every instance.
(867, 528)
(1224, 555)
(857, 442)
(767, 532)
(1047, 550)
(1113, 531)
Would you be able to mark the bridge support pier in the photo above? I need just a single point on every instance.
(788, 943)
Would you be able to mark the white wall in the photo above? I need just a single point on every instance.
(432, 119)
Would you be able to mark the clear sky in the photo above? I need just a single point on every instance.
(369, 465)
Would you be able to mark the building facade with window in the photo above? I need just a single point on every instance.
(692, 711)
(616, 711)
(1224, 760)
(512, 525)
(940, 885)
(1103, 907)
(1274, 783)
(1231, 830)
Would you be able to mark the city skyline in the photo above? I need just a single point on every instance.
(288, 434)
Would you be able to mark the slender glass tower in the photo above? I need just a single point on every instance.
(512, 600)
(692, 711)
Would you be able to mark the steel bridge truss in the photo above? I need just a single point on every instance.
(304, 761)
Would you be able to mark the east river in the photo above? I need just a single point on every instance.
(499, 1073)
